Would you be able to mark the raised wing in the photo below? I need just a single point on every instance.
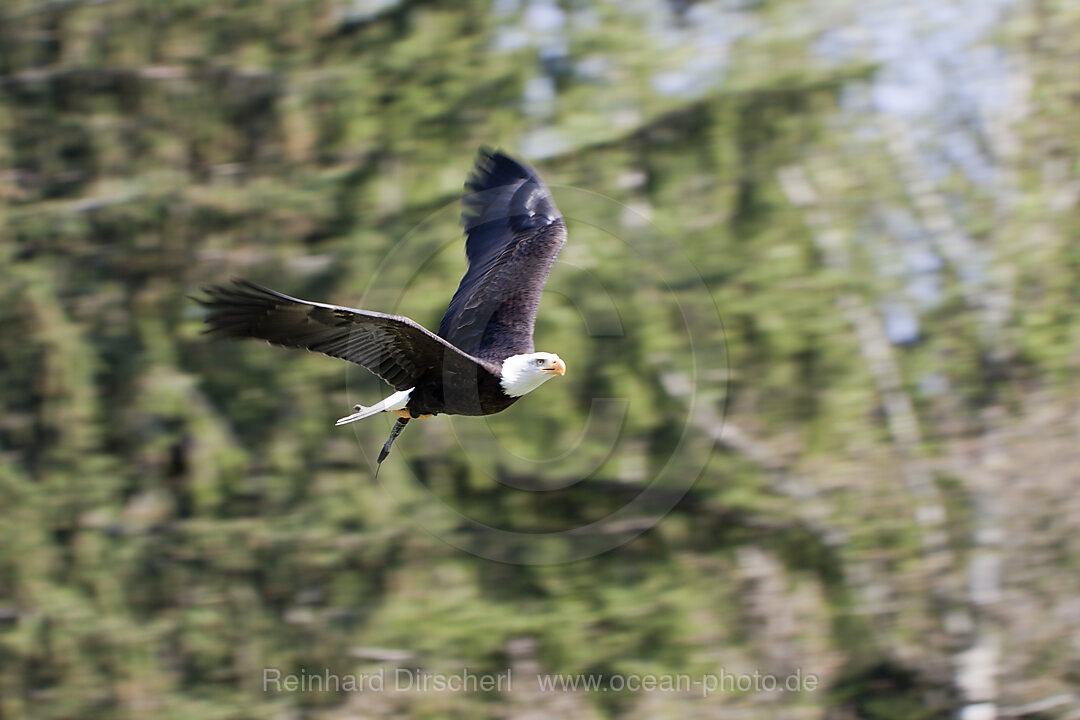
(393, 347)
(514, 232)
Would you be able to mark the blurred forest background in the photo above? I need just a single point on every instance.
(880, 195)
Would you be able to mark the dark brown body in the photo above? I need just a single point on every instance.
(458, 388)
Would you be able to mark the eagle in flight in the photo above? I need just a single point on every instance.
(482, 359)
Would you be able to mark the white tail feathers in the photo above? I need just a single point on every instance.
(397, 401)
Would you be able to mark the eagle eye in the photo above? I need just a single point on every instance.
(540, 361)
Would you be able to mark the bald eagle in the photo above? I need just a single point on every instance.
(482, 359)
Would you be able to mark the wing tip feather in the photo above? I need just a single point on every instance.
(502, 189)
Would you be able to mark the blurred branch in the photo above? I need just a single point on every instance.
(991, 304)
(976, 665)
(387, 655)
(1040, 707)
(877, 352)
(52, 6)
(708, 419)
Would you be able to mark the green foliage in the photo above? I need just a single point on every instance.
(179, 514)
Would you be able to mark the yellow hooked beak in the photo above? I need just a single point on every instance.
(559, 368)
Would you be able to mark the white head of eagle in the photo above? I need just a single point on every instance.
(524, 373)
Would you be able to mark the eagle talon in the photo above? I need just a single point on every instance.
(398, 427)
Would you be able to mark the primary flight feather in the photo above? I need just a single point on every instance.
(482, 359)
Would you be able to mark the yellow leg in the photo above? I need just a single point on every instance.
(404, 414)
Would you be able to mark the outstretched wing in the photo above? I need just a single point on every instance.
(393, 347)
(514, 231)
